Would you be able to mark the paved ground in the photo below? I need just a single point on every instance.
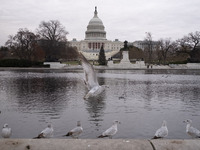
(98, 144)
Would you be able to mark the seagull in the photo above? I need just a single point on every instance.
(193, 132)
(75, 132)
(6, 131)
(161, 132)
(110, 131)
(90, 80)
(46, 133)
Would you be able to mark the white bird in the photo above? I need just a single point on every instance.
(75, 132)
(91, 79)
(110, 131)
(6, 131)
(46, 133)
(193, 132)
(162, 131)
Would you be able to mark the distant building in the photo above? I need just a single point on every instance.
(95, 37)
(143, 44)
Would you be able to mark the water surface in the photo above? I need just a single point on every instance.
(140, 99)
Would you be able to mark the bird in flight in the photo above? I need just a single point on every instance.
(90, 80)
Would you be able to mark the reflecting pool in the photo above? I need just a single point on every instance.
(139, 99)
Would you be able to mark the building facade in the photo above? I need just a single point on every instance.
(144, 44)
(95, 37)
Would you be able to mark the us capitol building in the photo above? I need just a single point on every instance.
(95, 37)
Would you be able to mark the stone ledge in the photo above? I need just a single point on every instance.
(98, 144)
(176, 144)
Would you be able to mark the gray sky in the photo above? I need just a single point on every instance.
(123, 19)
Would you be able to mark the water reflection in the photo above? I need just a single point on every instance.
(96, 107)
(43, 96)
(148, 95)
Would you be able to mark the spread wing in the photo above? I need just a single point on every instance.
(90, 74)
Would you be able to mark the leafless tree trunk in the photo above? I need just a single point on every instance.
(149, 46)
(158, 53)
(165, 46)
(194, 39)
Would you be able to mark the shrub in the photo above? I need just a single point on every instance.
(19, 63)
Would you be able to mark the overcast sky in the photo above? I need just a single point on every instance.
(123, 19)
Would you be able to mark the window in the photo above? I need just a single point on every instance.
(89, 45)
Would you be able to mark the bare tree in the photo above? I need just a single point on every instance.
(194, 39)
(165, 46)
(23, 44)
(52, 30)
(189, 45)
(52, 35)
(183, 45)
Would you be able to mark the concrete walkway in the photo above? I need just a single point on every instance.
(98, 144)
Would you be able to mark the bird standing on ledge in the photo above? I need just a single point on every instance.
(193, 132)
(46, 133)
(6, 131)
(161, 132)
(110, 131)
(75, 132)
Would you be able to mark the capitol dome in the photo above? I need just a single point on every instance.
(95, 28)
